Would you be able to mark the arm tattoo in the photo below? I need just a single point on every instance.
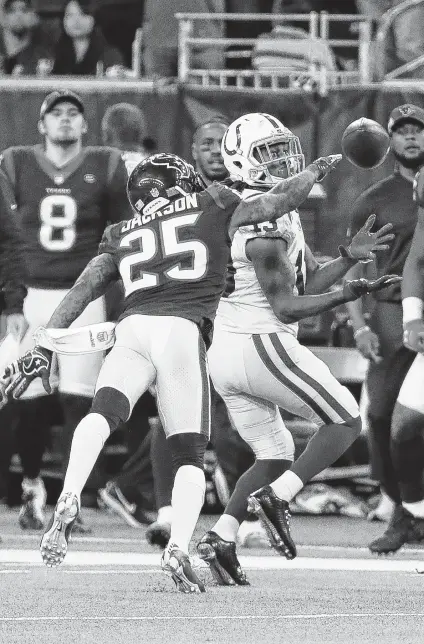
(285, 196)
(90, 285)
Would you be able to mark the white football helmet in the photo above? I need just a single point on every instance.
(260, 151)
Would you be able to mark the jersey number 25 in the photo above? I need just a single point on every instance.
(169, 244)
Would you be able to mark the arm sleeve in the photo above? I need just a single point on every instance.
(362, 209)
(117, 206)
(12, 266)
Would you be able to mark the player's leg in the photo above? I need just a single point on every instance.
(77, 380)
(127, 493)
(290, 376)
(33, 412)
(384, 380)
(407, 522)
(259, 424)
(183, 400)
(124, 376)
(159, 532)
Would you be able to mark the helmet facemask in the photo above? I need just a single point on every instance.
(274, 159)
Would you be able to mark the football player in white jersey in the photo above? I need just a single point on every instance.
(256, 362)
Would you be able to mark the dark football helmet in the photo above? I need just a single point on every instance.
(161, 177)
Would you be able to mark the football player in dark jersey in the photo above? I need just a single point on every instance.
(124, 127)
(380, 339)
(234, 456)
(172, 259)
(66, 194)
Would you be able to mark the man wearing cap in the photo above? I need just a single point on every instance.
(380, 339)
(66, 194)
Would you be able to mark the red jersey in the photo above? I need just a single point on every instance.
(63, 212)
(173, 261)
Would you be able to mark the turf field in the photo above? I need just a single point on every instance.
(110, 590)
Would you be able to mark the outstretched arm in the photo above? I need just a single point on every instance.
(91, 284)
(277, 278)
(286, 195)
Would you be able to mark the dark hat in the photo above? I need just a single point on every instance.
(59, 96)
(405, 113)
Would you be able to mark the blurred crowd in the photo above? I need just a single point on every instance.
(119, 38)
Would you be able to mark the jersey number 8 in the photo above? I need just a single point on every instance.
(58, 214)
(146, 240)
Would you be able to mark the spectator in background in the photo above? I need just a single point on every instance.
(22, 42)
(82, 48)
(160, 35)
(124, 127)
(405, 40)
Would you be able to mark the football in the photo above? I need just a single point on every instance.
(365, 143)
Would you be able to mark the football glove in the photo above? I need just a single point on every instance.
(325, 165)
(365, 243)
(19, 374)
(413, 335)
(353, 289)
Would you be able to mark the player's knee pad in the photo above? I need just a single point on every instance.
(406, 423)
(113, 405)
(187, 449)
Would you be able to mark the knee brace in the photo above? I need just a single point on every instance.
(113, 405)
(187, 449)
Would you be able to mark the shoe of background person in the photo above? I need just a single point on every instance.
(34, 497)
(274, 515)
(80, 527)
(113, 499)
(221, 557)
(251, 534)
(176, 564)
(403, 528)
(158, 534)
(54, 544)
(383, 510)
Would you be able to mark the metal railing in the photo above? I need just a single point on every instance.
(316, 76)
(386, 23)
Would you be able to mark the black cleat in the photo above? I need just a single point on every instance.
(158, 534)
(403, 528)
(54, 544)
(274, 515)
(221, 557)
(176, 564)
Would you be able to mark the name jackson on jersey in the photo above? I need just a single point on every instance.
(163, 256)
(244, 307)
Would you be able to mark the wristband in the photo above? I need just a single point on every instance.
(412, 309)
(361, 330)
(344, 251)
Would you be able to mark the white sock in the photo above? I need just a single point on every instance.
(165, 514)
(287, 485)
(89, 437)
(188, 495)
(227, 527)
(416, 508)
